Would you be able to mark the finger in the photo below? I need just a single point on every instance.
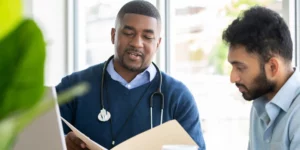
(75, 139)
(71, 145)
(83, 145)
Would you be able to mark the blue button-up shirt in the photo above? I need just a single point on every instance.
(275, 124)
(142, 78)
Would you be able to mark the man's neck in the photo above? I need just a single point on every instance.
(123, 72)
(286, 74)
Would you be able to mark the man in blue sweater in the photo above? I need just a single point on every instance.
(117, 107)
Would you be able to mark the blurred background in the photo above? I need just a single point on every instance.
(78, 36)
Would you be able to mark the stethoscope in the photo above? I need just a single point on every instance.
(105, 115)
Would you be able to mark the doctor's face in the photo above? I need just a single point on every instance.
(136, 39)
(248, 73)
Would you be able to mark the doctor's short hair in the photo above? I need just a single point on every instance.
(263, 32)
(140, 7)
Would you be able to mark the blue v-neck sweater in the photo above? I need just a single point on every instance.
(83, 111)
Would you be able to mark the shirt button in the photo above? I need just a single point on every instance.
(128, 85)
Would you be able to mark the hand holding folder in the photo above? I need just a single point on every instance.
(169, 133)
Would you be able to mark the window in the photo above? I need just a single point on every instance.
(199, 59)
(94, 20)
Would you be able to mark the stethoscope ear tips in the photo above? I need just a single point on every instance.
(104, 115)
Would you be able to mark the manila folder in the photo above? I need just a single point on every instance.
(169, 133)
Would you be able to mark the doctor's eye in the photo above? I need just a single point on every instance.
(148, 37)
(128, 33)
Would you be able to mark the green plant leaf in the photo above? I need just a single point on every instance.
(22, 54)
(10, 16)
(11, 126)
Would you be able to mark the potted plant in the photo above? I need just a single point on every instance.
(22, 57)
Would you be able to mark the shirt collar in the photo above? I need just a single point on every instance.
(288, 92)
(259, 105)
(150, 73)
(284, 97)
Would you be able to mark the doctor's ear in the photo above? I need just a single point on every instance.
(158, 43)
(112, 34)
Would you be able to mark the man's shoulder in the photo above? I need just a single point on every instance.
(297, 96)
(294, 115)
(88, 74)
(171, 81)
(295, 106)
(174, 86)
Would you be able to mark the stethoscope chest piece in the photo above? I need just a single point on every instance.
(104, 115)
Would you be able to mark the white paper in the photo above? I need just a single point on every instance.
(90, 143)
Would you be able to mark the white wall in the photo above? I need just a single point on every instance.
(52, 19)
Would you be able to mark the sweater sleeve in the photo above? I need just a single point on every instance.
(187, 114)
(67, 110)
